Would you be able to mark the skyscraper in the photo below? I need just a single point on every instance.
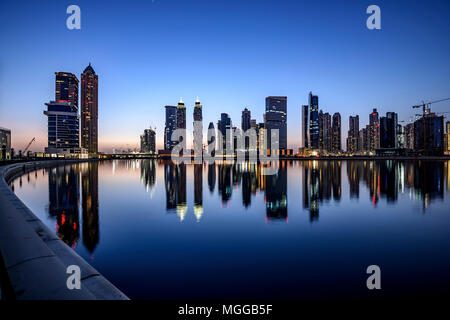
(245, 125)
(305, 126)
(374, 134)
(5, 143)
(66, 88)
(181, 123)
(327, 132)
(409, 136)
(275, 119)
(353, 134)
(63, 128)
(224, 126)
(314, 141)
(429, 134)
(336, 128)
(388, 131)
(211, 140)
(148, 141)
(170, 127)
(89, 110)
(245, 120)
(198, 128)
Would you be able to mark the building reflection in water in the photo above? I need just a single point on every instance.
(198, 191)
(175, 182)
(64, 202)
(64, 197)
(90, 205)
(276, 194)
(211, 177)
(148, 174)
(321, 183)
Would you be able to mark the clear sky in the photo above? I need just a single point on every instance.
(232, 54)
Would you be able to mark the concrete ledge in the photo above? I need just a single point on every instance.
(34, 258)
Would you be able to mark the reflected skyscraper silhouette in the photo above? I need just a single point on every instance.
(90, 205)
(175, 182)
(276, 194)
(225, 176)
(148, 172)
(321, 182)
(211, 177)
(198, 191)
(64, 198)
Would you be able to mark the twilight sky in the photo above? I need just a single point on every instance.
(232, 54)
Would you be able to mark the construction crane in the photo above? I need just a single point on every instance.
(28, 146)
(426, 106)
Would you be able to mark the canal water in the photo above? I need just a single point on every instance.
(158, 230)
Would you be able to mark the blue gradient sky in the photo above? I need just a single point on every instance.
(232, 54)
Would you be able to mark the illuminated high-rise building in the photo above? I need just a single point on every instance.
(198, 128)
(276, 119)
(353, 134)
(305, 126)
(148, 141)
(170, 127)
(336, 128)
(374, 133)
(89, 110)
(388, 131)
(63, 128)
(66, 88)
(181, 123)
(314, 139)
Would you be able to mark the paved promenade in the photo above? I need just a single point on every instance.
(33, 259)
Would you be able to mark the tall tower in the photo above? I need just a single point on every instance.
(89, 110)
(336, 128)
(181, 122)
(170, 127)
(198, 128)
(313, 121)
(276, 118)
(66, 88)
(374, 134)
(245, 120)
(305, 126)
(353, 134)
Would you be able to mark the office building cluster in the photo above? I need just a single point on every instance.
(321, 132)
(64, 134)
(229, 139)
(386, 136)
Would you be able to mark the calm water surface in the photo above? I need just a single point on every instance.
(162, 231)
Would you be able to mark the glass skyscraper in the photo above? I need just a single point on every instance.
(276, 118)
(89, 110)
(66, 88)
(314, 121)
(63, 128)
(170, 127)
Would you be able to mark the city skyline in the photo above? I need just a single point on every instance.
(352, 69)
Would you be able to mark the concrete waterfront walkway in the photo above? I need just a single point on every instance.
(34, 260)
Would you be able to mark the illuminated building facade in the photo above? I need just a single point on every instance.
(336, 127)
(313, 121)
(148, 141)
(5, 143)
(275, 119)
(66, 88)
(170, 127)
(89, 110)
